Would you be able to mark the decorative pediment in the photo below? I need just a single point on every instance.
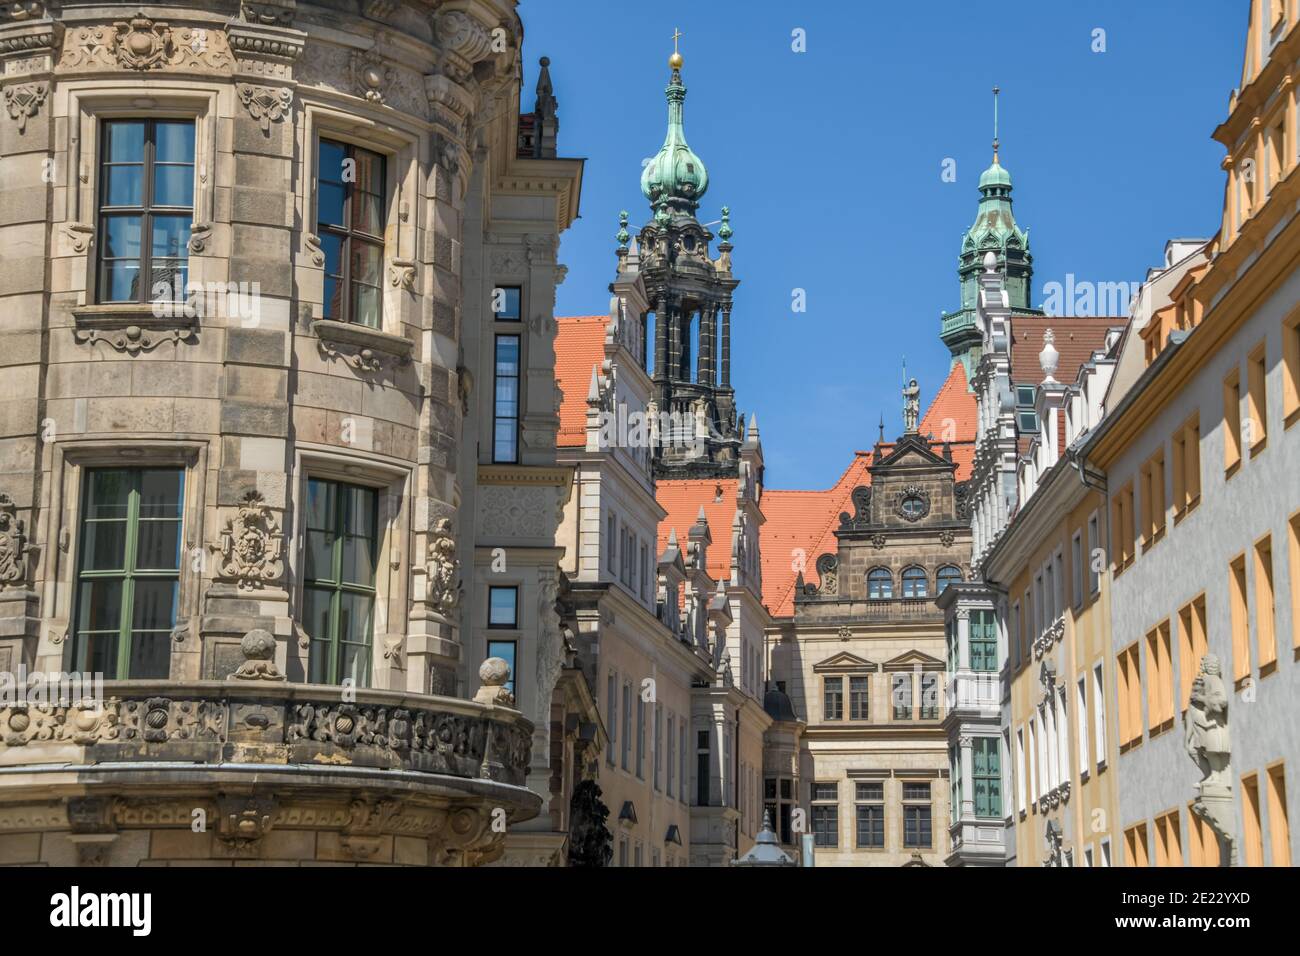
(910, 660)
(845, 663)
(911, 450)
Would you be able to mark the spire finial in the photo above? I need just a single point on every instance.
(724, 231)
(675, 61)
(622, 235)
(996, 91)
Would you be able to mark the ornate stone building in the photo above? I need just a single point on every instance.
(250, 460)
(860, 660)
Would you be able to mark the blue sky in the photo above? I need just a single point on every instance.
(831, 162)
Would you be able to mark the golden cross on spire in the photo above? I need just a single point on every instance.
(675, 61)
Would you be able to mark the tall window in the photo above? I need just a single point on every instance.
(1187, 467)
(503, 612)
(870, 806)
(1130, 696)
(859, 697)
(901, 696)
(1256, 399)
(146, 200)
(128, 576)
(1160, 679)
(640, 736)
(339, 593)
(627, 725)
(1192, 646)
(1135, 842)
(656, 758)
(948, 574)
(1239, 606)
(1265, 607)
(987, 773)
(1099, 714)
(1094, 543)
(832, 698)
(880, 584)
(505, 403)
(914, 583)
(826, 814)
(1279, 823)
(983, 641)
(1169, 840)
(916, 815)
(1254, 833)
(350, 220)
(1232, 422)
(671, 763)
(930, 696)
(611, 715)
(683, 780)
(702, 788)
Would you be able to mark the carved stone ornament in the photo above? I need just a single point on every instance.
(878, 542)
(946, 538)
(13, 545)
(401, 274)
(443, 569)
(267, 14)
(266, 104)
(828, 572)
(244, 820)
(141, 43)
(493, 674)
(22, 10)
(463, 42)
(133, 339)
(258, 647)
(371, 75)
(861, 516)
(250, 546)
(23, 101)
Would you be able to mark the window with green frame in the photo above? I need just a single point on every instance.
(987, 776)
(128, 571)
(983, 641)
(339, 583)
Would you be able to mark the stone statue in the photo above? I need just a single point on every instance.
(1208, 743)
(443, 568)
(911, 405)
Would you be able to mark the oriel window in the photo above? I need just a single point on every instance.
(128, 575)
(351, 214)
(339, 592)
(146, 208)
(505, 405)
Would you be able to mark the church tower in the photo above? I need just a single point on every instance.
(995, 231)
(690, 295)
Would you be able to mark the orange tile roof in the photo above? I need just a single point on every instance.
(1076, 338)
(579, 347)
(803, 521)
(682, 499)
(954, 401)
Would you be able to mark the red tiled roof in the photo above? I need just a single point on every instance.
(803, 521)
(1077, 337)
(579, 347)
(954, 402)
(682, 500)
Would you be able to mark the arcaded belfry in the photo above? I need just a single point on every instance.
(278, 281)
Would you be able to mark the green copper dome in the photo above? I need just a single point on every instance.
(995, 226)
(995, 175)
(676, 177)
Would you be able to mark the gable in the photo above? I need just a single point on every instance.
(913, 659)
(845, 663)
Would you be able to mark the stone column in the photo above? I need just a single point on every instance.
(967, 780)
(661, 352)
(34, 180)
(963, 640)
(725, 364)
(708, 323)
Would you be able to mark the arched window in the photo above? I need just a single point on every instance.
(880, 584)
(948, 574)
(914, 583)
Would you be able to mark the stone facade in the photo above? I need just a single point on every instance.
(298, 361)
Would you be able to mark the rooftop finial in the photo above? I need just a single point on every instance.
(623, 235)
(675, 61)
(724, 231)
(996, 91)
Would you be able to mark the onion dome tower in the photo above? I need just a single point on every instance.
(690, 294)
(994, 230)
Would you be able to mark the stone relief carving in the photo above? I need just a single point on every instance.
(518, 512)
(828, 572)
(142, 44)
(1209, 745)
(251, 544)
(312, 242)
(878, 542)
(402, 274)
(946, 538)
(266, 104)
(133, 339)
(22, 10)
(463, 42)
(242, 821)
(861, 516)
(443, 569)
(13, 545)
(23, 101)
(370, 74)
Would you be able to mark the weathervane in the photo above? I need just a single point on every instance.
(996, 91)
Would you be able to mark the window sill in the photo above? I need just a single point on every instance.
(134, 327)
(1231, 469)
(359, 344)
(1267, 668)
(1258, 447)
(1291, 417)
(1160, 728)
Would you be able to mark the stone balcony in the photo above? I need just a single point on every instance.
(274, 772)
